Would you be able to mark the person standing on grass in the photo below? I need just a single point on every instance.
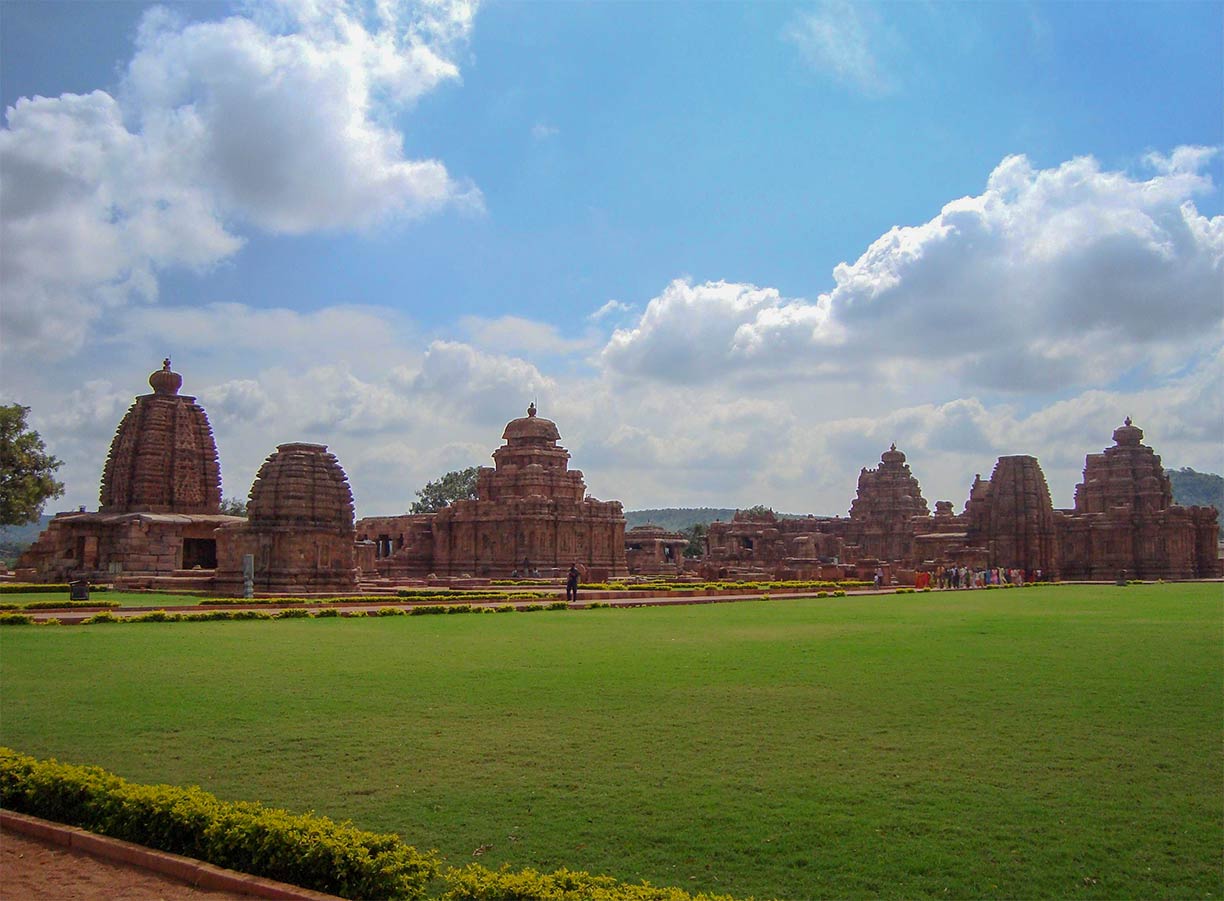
(571, 584)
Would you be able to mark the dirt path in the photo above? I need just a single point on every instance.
(30, 869)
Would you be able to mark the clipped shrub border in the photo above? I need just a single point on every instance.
(58, 605)
(43, 587)
(301, 849)
(106, 617)
(402, 596)
(477, 883)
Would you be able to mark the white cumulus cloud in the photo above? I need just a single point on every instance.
(279, 120)
(1048, 279)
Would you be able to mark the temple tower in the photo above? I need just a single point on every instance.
(1012, 516)
(1128, 476)
(888, 497)
(299, 527)
(531, 513)
(1125, 520)
(163, 458)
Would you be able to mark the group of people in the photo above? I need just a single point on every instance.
(964, 577)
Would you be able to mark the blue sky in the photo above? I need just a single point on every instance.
(388, 234)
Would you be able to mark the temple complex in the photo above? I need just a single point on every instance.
(159, 522)
(298, 531)
(531, 515)
(1124, 521)
(160, 500)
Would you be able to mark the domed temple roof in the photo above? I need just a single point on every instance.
(301, 484)
(892, 456)
(1128, 435)
(163, 458)
(531, 429)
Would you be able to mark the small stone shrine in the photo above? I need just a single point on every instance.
(654, 551)
(160, 501)
(299, 528)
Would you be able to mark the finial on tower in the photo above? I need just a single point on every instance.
(164, 380)
(1128, 421)
(531, 409)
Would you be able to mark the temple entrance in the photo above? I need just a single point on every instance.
(201, 552)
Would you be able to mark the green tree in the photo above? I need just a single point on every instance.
(27, 478)
(233, 506)
(695, 534)
(454, 486)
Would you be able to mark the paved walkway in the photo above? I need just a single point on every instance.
(31, 869)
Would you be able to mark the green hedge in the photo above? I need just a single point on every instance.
(398, 597)
(105, 617)
(42, 588)
(477, 883)
(58, 605)
(301, 849)
(790, 585)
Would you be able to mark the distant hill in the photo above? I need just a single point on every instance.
(1197, 489)
(676, 519)
(15, 539)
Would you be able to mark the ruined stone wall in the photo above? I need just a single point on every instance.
(652, 551)
(754, 545)
(103, 546)
(499, 539)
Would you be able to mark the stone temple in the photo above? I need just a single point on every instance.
(1125, 520)
(160, 501)
(298, 530)
(531, 514)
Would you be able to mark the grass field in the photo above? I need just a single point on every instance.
(125, 598)
(1049, 742)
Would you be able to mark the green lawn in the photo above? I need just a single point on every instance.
(124, 598)
(1048, 742)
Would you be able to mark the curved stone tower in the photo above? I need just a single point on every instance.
(299, 527)
(301, 485)
(163, 458)
(888, 497)
(1012, 516)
